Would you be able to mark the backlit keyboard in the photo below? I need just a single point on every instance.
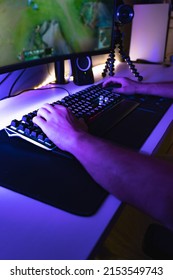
(92, 104)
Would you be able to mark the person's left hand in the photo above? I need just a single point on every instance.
(60, 125)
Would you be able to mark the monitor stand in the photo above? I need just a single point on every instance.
(59, 72)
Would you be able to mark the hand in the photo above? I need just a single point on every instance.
(128, 86)
(60, 125)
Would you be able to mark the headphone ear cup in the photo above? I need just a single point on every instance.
(82, 70)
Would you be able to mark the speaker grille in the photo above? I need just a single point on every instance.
(83, 63)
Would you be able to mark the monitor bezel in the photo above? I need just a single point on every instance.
(47, 60)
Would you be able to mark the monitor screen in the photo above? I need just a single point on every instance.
(41, 31)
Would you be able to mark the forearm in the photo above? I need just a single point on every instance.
(164, 89)
(136, 179)
(128, 86)
(142, 181)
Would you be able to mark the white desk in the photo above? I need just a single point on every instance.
(33, 230)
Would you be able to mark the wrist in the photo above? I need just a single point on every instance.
(142, 88)
(75, 142)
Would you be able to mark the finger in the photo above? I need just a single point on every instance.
(39, 121)
(43, 113)
(60, 107)
(48, 107)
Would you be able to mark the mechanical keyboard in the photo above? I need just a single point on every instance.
(101, 108)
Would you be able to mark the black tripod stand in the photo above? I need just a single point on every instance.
(109, 65)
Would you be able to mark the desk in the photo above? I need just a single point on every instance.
(33, 230)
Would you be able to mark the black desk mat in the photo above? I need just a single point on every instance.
(47, 177)
(63, 182)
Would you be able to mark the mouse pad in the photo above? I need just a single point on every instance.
(56, 180)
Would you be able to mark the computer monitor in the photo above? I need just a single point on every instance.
(42, 31)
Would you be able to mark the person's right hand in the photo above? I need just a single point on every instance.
(127, 86)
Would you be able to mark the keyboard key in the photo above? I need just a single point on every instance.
(14, 124)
